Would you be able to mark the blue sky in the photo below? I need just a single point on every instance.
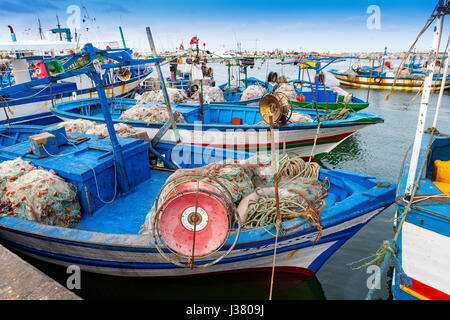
(264, 25)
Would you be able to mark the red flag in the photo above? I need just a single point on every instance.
(41, 71)
(194, 40)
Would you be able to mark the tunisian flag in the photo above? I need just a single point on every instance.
(40, 70)
(194, 40)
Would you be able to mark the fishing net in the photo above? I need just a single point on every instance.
(99, 129)
(253, 92)
(299, 197)
(42, 196)
(298, 117)
(210, 94)
(339, 114)
(150, 114)
(175, 96)
(250, 183)
(12, 169)
(288, 89)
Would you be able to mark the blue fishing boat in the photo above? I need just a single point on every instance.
(311, 91)
(32, 104)
(230, 126)
(423, 200)
(191, 225)
(419, 248)
(407, 77)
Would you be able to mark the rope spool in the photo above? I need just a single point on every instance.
(194, 218)
(123, 74)
(277, 105)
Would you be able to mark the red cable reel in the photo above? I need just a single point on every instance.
(194, 221)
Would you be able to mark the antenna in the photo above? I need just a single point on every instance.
(40, 28)
(59, 27)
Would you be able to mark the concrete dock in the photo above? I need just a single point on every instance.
(21, 281)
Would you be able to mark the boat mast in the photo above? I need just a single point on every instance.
(441, 91)
(40, 28)
(423, 108)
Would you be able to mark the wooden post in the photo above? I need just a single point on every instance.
(163, 86)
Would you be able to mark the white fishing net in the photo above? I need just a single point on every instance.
(149, 114)
(210, 94)
(175, 96)
(298, 117)
(11, 170)
(288, 89)
(99, 129)
(253, 92)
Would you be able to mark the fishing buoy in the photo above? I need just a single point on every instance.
(301, 98)
(194, 222)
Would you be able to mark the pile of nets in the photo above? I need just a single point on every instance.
(99, 129)
(210, 94)
(288, 89)
(150, 114)
(32, 193)
(253, 92)
(338, 114)
(175, 96)
(298, 117)
(250, 183)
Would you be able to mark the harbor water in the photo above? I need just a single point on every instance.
(378, 150)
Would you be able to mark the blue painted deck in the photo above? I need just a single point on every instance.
(127, 213)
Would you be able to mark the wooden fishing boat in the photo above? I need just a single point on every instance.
(312, 92)
(423, 200)
(425, 235)
(31, 104)
(385, 81)
(323, 97)
(107, 240)
(218, 130)
(419, 248)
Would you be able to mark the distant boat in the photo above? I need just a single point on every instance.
(385, 80)
(312, 92)
(32, 105)
(382, 77)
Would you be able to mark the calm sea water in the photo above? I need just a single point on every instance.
(378, 150)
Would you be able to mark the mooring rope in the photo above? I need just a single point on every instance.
(425, 27)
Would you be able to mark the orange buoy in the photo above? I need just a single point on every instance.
(301, 98)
